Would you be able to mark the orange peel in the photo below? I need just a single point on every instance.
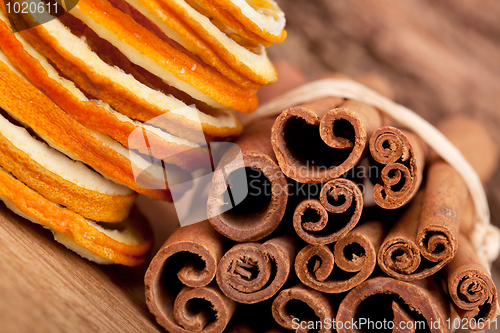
(28, 105)
(74, 58)
(98, 116)
(146, 50)
(198, 33)
(60, 179)
(261, 21)
(89, 239)
(168, 27)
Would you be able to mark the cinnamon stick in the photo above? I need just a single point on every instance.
(253, 272)
(178, 289)
(341, 203)
(445, 197)
(256, 188)
(355, 257)
(399, 256)
(471, 288)
(321, 140)
(403, 156)
(301, 305)
(408, 303)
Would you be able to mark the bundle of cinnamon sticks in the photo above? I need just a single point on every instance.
(349, 224)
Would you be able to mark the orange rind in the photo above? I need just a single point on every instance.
(99, 116)
(61, 180)
(29, 106)
(262, 18)
(208, 38)
(127, 245)
(168, 27)
(146, 50)
(123, 92)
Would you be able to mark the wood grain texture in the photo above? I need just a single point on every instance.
(46, 288)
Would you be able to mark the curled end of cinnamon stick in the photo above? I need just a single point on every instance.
(301, 304)
(471, 287)
(354, 253)
(402, 155)
(340, 197)
(399, 256)
(203, 309)
(406, 302)
(320, 141)
(247, 202)
(187, 260)
(253, 272)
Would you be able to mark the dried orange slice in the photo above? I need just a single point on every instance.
(146, 50)
(127, 245)
(58, 178)
(184, 153)
(30, 107)
(162, 22)
(75, 59)
(256, 20)
(198, 33)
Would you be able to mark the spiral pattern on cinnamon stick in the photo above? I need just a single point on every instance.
(471, 287)
(446, 196)
(408, 303)
(249, 192)
(355, 256)
(302, 304)
(178, 289)
(402, 154)
(322, 140)
(253, 272)
(203, 309)
(333, 216)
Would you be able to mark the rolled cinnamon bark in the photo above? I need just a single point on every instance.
(321, 140)
(340, 197)
(445, 197)
(380, 298)
(471, 288)
(253, 272)
(259, 200)
(403, 154)
(425, 238)
(355, 256)
(399, 255)
(177, 282)
(204, 309)
(299, 307)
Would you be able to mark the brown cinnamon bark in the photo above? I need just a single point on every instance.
(340, 197)
(399, 255)
(301, 305)
(379, 298)
(177, 282)
(354, 255)
(471, 288)
(321, 140)
(253, 272)
(403, 154)
(445, 197)
(265, 188)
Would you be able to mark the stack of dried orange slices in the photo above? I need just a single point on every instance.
(75, 88)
